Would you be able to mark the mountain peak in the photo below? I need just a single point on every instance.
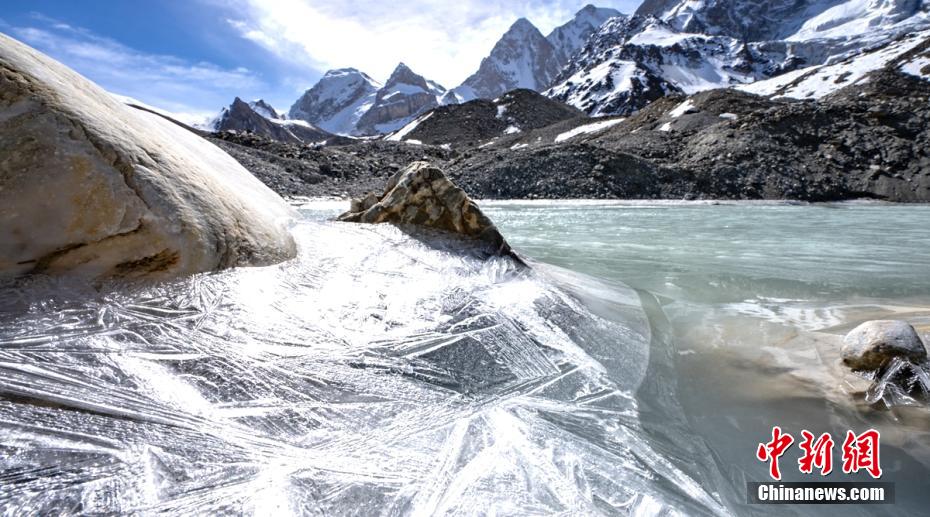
(402, 74)
(522, 25)
(522, 58)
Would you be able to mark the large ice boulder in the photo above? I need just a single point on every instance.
(90, 186)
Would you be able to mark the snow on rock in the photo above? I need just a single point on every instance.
(771, 20)
(511, 130)
(404, 131)
(264, 109)
(165, 201)
(682, 108)
(588, 128)
(919, 66)
(729, 116)
(666, 127)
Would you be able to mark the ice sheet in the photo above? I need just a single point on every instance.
(377, 374)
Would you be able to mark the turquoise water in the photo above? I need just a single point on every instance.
(756, 298)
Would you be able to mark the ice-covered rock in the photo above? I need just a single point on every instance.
(874, 343)
(93, 187)
(422, 195)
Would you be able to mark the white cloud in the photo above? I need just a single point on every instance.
(168, 82)
(439, 39)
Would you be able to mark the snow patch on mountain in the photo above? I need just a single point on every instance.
(588, 128)
(919, 67)
(404, 131)
(681, 109)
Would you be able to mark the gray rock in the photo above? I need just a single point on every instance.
(874, 343)
(93, 187)
(422, 195)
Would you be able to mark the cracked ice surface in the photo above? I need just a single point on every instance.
(373, 375)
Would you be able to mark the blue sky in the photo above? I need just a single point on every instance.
(191, 57)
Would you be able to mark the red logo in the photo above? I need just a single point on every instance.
(773, 450)
(860, 452)
(816, 453)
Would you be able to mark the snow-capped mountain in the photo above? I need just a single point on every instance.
(404, 96)
(569, 38)
(698, 45)
(632, 61)
(522, 58)
(337, 101)
(258, 117)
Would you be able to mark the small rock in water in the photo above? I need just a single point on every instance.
(422, 195)
(874, 343)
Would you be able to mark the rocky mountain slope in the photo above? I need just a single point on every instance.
(675, 47)
(260, 118)
(476, 122)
